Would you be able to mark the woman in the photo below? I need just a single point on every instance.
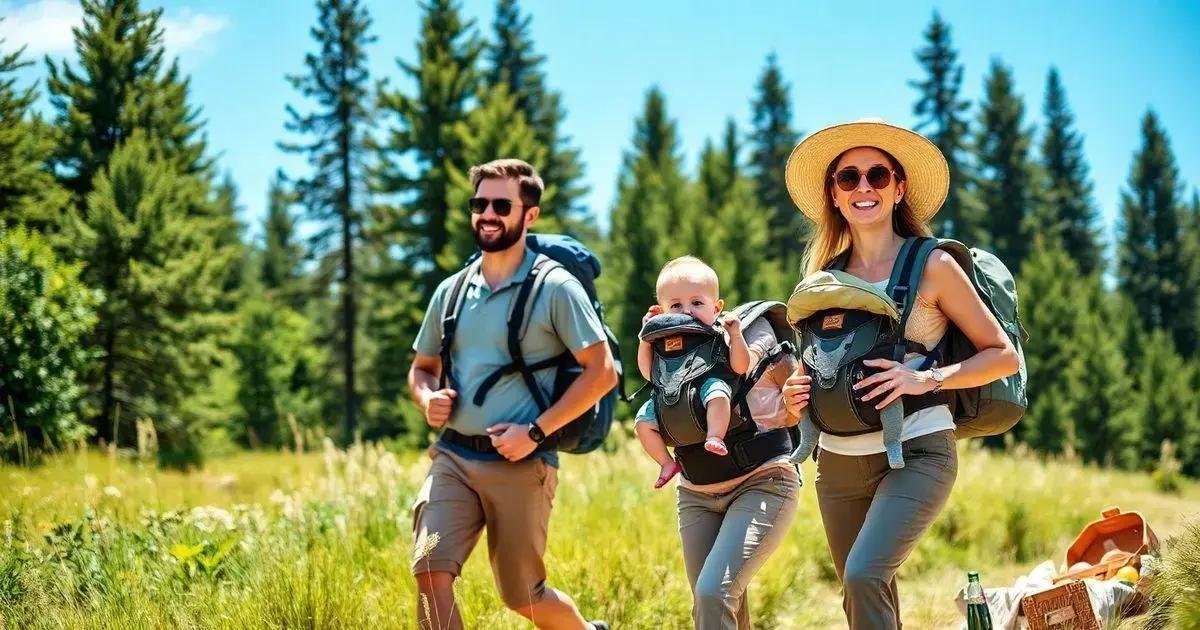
(868, 185)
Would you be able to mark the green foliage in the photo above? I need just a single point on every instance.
(646, 221)
(323, 540)
(28, 192)
(1156, 258)
(1004, 177)
(771, 142)
(280, 270)
(1065, 210)
(1166, 398)
(161, 274)
(943, 120)
(1054, 309)
(512, 62)
(44, 312)
(122, 85)
(1107, 422)
(276, 371)
(338, 80)
(420, 144)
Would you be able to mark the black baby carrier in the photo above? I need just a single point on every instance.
(686, 353)
(844, 321)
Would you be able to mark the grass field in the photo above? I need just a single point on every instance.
(322, 540)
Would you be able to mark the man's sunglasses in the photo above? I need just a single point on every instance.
(878, 177)
(501, 205)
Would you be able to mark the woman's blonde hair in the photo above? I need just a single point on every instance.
(830, 236)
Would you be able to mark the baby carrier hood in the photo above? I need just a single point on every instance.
(834, 289)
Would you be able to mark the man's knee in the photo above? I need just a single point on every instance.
(523, 601)
(435, 582)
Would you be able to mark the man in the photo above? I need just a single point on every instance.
(485, 472)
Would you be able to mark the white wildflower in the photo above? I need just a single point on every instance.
(112, 492)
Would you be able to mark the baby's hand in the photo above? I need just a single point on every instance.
(651, 313)
(666, 472)
(732, 324)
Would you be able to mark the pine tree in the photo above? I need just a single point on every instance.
(512, 62)
(1054, 307)
(28, 192)
(1165, 398)
(121, 87)
(160, 270)
(1154, 256)
(281, 273)
(274, 351)
(228, 234)
(337, 79)
(1004, 183)
(494, 128)
(771, 142)
(426, 137)
(943, 119)
(734, 231)
(1107, 422)
(645, 219)
(1066, 208)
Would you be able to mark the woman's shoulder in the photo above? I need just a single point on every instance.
(942, 271)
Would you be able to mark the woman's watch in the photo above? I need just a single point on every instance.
(536, 434)
(938, 378)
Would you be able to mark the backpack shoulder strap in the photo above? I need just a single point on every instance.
(450, 311)
(518, 318)
(921, 250)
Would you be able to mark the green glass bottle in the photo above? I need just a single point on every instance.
(978, 616)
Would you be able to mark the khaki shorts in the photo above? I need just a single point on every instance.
(461, 497)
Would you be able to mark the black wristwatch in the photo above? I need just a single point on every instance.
(536, 434)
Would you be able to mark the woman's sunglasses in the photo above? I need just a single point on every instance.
(878, 177)
(502, 206)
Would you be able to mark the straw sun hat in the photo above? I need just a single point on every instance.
(924, 166)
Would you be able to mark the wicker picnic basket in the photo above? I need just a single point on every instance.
(1063, 607)
(1123, 536)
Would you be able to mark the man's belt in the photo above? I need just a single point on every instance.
(477, 443)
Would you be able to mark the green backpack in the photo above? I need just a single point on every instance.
(990, 409)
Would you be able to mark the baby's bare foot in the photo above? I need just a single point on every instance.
(716, 445)
(666, 473)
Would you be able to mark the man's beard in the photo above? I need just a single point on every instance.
(500, 242)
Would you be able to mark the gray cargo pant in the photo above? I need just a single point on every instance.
(727, 538)
(874, 515)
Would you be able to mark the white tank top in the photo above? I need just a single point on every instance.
(926, 325)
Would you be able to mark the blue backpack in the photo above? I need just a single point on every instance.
(554, 251)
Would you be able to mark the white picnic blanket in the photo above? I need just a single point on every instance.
(1004, 603)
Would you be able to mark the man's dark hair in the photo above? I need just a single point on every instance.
(528, 181)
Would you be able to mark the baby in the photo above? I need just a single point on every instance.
(687, 285)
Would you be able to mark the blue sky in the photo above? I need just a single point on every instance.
(844, 60)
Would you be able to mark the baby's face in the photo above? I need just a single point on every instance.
(680, 295)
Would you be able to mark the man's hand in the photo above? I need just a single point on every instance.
(438, 405)
(512, 440)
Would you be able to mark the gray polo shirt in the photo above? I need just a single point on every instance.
(562, 320)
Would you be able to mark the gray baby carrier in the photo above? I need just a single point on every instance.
(686, 353)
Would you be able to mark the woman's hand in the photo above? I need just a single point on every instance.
(896, 380)
(795, 391)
